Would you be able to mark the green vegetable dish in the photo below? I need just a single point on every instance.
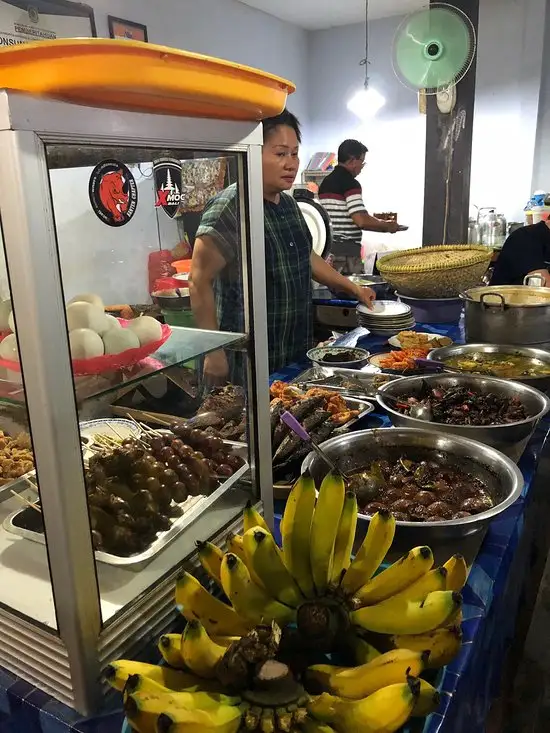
(506, 366)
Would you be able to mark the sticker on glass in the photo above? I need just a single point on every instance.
(113, 193)
(167, 177)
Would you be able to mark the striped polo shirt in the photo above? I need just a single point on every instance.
(341, 196)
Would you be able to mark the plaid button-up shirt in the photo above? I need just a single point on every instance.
(288, 273)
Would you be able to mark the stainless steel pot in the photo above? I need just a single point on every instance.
(501, 477)
(507, 314)
(538, 356)
(511, 439)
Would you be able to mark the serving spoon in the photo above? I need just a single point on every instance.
(418, 411)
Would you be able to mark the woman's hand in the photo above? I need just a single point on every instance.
(216, 369)
(365, 295)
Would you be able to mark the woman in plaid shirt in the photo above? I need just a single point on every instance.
(215, 283)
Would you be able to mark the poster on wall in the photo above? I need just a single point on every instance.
(44, 20)
(126, 29)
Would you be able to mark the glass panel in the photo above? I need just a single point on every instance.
(25, 583)
(126, 220)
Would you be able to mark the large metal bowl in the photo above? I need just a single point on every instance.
(318, 357)
(537, 355)
(501, 477)
(511, 438)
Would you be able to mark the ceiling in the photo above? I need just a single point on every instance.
(319, 14)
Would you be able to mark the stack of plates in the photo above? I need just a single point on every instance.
(386, 317)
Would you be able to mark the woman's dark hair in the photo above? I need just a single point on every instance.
(351, 149)
(287, 119)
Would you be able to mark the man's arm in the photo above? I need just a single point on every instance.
(206, 265)
(326, 275)
(361, 217)
(370, 223)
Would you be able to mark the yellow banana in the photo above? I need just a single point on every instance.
(250, 601)
(364, 652)
(200, 654)
(345, 536)
(457, 573)
(372, 552)
(210, 558)
(414, 618)
(234, 544)
(193, 700)
(402, 574)
(324, 528)
(443, 644)
(225, 641)
(296, 532)
(168, 714)
(428, 700)
(197, 603)
(266, 560)
(356, 683)
(117, 674)
(385, 710)
(314, 726)
(253, 518)
(170, 647)
(431, 581)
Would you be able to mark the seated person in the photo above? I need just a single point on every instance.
(525, 252)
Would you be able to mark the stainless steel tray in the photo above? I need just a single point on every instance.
(353, 403)
(193, 507)
(368, 383)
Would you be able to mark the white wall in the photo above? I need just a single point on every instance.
(541, 170)
(113, 262)
(393, 179)
(508, 83)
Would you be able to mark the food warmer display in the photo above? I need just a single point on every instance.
(101, 509)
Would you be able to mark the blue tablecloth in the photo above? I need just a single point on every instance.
(469, 684)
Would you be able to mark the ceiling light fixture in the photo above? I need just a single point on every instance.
(367, 102)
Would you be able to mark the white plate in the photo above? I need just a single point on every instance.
(385, 309)
(316, 226)
(113, 427)
(394, 341)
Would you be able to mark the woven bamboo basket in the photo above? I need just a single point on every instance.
(435, 272)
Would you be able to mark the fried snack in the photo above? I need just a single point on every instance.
(402, 360)
(16, 457)
(334, 403)
(414, 340)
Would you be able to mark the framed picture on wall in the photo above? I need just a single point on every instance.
(44, 20)
(126, 29)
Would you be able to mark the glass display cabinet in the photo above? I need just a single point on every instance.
(100, 504)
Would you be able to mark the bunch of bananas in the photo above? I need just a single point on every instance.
(240, 665)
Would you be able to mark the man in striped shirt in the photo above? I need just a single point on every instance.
(341, 195)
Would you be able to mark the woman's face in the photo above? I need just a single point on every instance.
(280, 161)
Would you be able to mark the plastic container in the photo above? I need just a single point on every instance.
(434, 310)
(182, 266)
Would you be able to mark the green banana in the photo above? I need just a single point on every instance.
(264, 557)
(428, 701)
(324, 528)
(253, 518)
(372, 552)
(250, 601)
(296, 532)
(344, 538)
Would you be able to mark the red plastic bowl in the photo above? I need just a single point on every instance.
(107, 362)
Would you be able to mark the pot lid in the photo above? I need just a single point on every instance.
(512, 295)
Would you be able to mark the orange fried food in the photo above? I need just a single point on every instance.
(404, 359)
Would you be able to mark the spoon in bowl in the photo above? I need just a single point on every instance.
(418, 410)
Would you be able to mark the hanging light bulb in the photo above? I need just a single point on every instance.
(368, 101)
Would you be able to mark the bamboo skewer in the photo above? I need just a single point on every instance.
(26, 501)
